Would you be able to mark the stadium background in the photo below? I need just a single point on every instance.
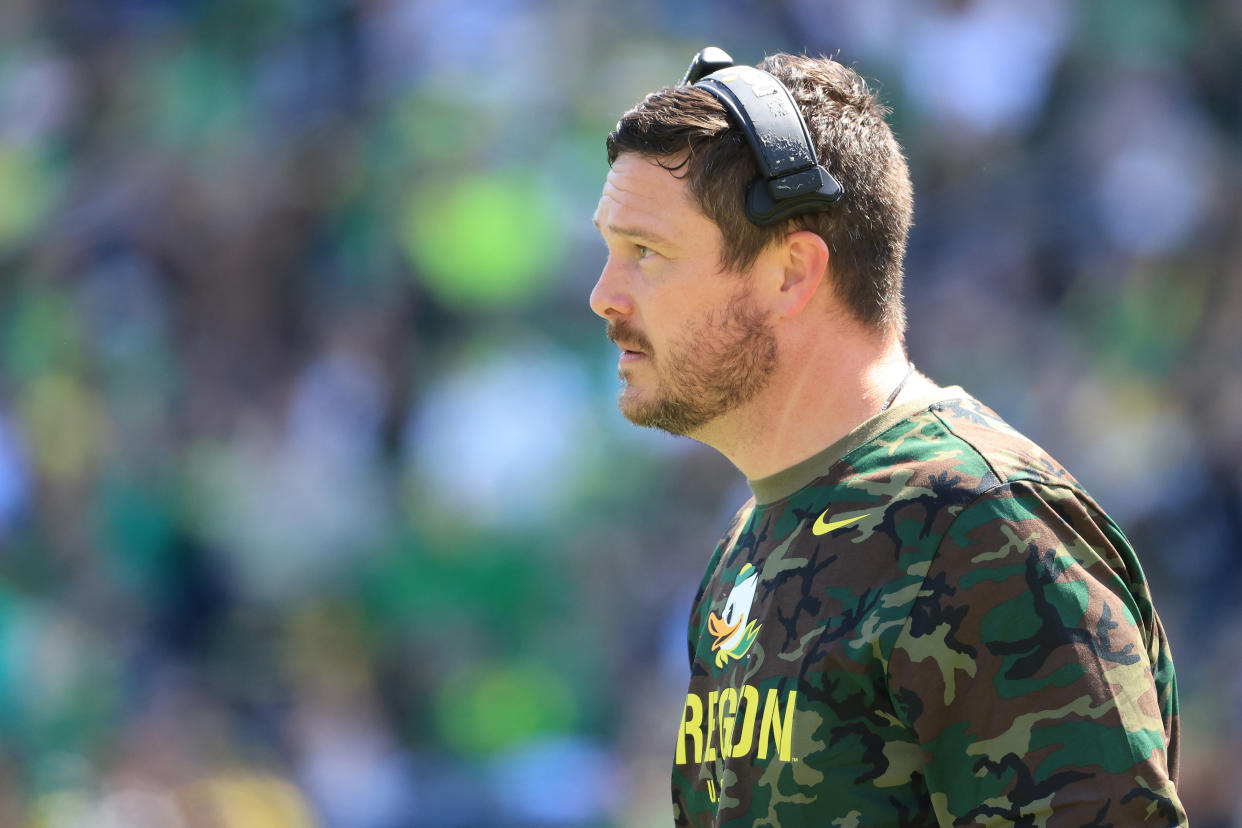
(315, 508)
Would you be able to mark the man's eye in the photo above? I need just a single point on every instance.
(643, 251)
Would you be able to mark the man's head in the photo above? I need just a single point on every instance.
(686, 265)
(687, 130)
(695, 346)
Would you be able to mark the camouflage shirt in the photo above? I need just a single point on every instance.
(929, 623)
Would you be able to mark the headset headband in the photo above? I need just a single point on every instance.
(791, 180)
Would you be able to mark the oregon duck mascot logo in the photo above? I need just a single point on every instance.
(733, 634)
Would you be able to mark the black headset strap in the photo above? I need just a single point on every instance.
(792, 181)
(767, 114)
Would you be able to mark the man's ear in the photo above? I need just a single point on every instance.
(805, 268)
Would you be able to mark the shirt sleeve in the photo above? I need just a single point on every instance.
(1025, 671)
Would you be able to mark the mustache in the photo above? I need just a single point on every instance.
(626, 336)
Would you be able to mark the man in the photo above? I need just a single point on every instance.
(920, 618)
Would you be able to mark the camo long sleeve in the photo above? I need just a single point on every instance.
(928, 624)
(1024, 672)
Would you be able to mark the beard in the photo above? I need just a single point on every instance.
(708, 371)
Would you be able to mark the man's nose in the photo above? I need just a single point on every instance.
(609, 297)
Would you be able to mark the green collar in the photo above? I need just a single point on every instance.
(784, 483)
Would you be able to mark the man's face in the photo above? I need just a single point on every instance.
(694, 345)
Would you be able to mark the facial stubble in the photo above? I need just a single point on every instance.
(708, 371)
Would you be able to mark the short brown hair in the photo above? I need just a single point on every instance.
(686, 130)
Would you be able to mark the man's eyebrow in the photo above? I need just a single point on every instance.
(633, 233)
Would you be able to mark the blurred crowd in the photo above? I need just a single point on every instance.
(315, 508)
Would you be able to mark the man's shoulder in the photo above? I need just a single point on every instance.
(957, 443)
(935, 459)
(1012, 456)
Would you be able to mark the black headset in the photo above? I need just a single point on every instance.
(791, 180)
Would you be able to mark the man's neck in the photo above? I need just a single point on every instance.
(817, 395)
